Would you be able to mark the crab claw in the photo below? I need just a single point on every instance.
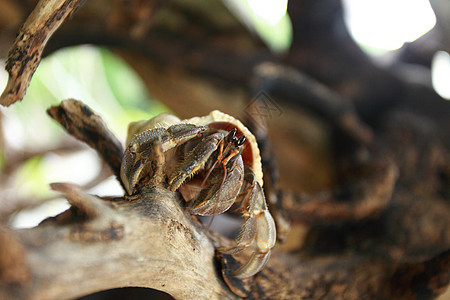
(256, 262)
(136, 165)
(146, 152)
(258, 232)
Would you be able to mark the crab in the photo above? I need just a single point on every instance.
(217, 165)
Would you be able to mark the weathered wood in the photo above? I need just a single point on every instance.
(97, 245)
(25, 54)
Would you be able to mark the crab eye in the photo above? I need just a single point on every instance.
(231, 137)
(240, 141)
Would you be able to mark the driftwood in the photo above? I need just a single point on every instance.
(363, 166)
(151, 238)
(26, 53)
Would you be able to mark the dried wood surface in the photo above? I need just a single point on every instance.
(363, 158)
(26, 52)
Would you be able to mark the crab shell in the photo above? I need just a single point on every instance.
(215, 120)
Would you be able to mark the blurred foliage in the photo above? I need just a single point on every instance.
(98, 78)
(30, 180)
(276, 35)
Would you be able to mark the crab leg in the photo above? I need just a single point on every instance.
(170, 137)
(196, 159)
(222, 189)
(137, 159)
(258, 232)
(230, 140)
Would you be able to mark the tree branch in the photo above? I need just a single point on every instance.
(25, 54)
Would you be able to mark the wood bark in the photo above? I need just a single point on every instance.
(30, 41)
